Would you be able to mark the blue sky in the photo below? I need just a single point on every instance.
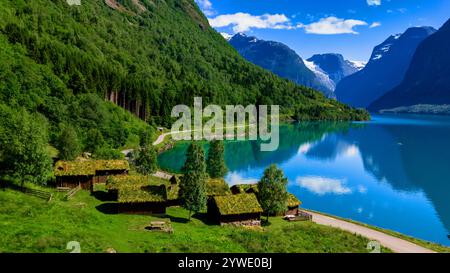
(350, 27)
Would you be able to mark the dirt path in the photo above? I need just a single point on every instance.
(161, 137)
(395, 244)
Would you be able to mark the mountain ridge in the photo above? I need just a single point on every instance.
(286, 63)
(426, 84)
(335, 65)
(386, 68)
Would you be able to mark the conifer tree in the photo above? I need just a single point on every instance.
(193, 182)
(216, 166)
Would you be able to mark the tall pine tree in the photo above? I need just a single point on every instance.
(216, 166)
(193, 183)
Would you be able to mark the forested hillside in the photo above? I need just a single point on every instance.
(60, 64)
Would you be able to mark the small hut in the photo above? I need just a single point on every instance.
(71, 174)
(144, 200)
(85, 173)
(238, 210)
(293, 204)
(105, 168)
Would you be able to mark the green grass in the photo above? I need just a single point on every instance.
(29, 224)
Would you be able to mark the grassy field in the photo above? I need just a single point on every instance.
(29, 224)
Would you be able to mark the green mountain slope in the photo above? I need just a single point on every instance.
(93, 77)
(145, 56)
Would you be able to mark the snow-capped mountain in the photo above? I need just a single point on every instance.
(286, 63)
(426, 85)
(322, 78)
(357, 64)
(385, 70)
(335, 66)
(279, 59)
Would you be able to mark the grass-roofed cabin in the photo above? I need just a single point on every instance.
(293, 204)
(71, 174)
(238, 210)
(142, 200)
(85, 173)
(114, 183)
(105, 168)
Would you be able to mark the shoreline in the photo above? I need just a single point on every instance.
(434, 247)
(411, 242)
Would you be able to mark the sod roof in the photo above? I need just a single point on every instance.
(217, 187)
(245, 188)
(74, 168)
(129, 181)
(238, 204)
(111, 165)
(88, 167)
(125, 183)
(144, 194)
(248, 188)
(293, 201)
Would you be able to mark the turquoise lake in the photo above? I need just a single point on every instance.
(392, 172)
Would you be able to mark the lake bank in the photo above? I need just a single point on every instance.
(385, 173)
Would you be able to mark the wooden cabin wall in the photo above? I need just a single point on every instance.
(73, 181)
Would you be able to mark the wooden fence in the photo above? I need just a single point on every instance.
(33, 192)
(72, 193)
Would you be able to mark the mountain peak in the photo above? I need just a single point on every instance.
(282, 61)
(334, 65)
(418, 31)
(426, 81)
(386, 68)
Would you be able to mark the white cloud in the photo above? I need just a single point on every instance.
(234, 178)
(375, 24)
(242, 22)
(333, 25)
(206, 7)
(322, 185)
(373, 2)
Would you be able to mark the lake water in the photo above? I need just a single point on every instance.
(392, 172)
